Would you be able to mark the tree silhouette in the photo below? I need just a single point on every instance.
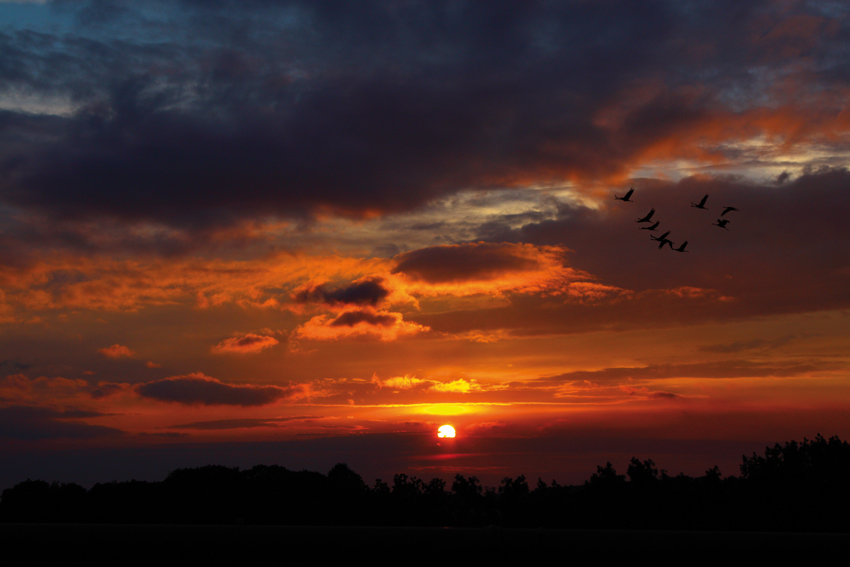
(792, 486)
(642, 472)
(606, 476)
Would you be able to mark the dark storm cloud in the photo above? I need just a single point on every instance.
(785, 251)
(457, 263)
(202, 390)
(366, 292)
(206, 112)
(31, 423)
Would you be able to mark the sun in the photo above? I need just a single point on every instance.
(446, 431)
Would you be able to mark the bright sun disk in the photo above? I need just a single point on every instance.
(446, 431)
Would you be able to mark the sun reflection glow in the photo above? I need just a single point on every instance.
(447, 409)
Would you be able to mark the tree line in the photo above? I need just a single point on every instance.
(791, 487)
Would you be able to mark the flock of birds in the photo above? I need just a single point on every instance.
(662, 239)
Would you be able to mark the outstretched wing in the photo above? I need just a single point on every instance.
(647, 217)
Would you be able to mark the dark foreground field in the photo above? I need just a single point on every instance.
(149, 545)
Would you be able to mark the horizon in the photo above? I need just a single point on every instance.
(302, 233)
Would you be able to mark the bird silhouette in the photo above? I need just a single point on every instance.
(663, 241)
(727, 210)
(626, 197)
(653, 227)
(681, 248)
(647, 217)
(721, 223)
(701, 204)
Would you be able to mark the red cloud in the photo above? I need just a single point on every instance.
(117, 351)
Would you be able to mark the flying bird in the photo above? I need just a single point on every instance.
(681, 248)
(662, 239)
(647, 217)
(727, 210)
(653, 227)
(721, 223)
(701, 204)
(626, 197)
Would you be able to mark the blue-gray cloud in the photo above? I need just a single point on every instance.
(202, 113)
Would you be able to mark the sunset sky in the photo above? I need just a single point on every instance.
(302, 233)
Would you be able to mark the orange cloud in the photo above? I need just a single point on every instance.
(117, 351)
(100, 283)
(367, 323)
(405, 382)
(247, 344)
(459, 386)
(485, 268)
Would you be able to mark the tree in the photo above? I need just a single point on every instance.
(343, 479)
(642, 472)
(606, 476)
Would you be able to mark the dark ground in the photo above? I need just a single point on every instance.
(148, 545)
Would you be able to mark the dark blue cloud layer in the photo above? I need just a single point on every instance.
(201, 113)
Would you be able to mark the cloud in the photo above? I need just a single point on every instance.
(663, 396)
(752, 344)
(353, 318)
(246, 344)
(781, 240)
(247, 423)
(14, 388)
(33, 423)
(488, 268)
(198, 389)
(365, 292)
(721, 369)
(383, 325)
(494, 103)
(468, 262)
(405, 382)
(117, 351)
(458, 386)
(93, 282)
(44, 390)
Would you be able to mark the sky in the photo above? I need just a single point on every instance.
(303, 233)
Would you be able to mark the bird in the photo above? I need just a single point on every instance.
(626, 197)
(721, 223)
(681, 248)
(663, 241)
(727, 210)
(653, 227)
(647, 217)
(701, 204)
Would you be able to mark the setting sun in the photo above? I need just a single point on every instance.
(446, 431)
